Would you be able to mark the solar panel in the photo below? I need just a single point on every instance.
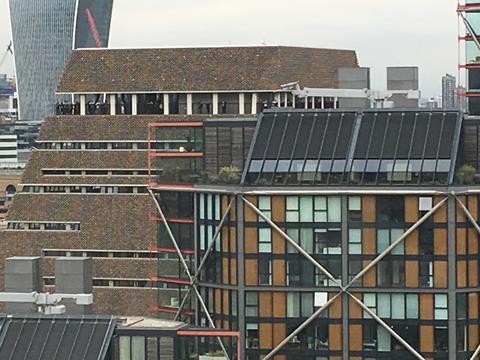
(367, 147)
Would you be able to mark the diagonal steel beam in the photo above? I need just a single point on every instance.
(386, 327)
(302, 326)
(293, 243)
(205, 256)
(469, 215)
(214, 239)
(476, 354)
(186, 269)
(396, 242)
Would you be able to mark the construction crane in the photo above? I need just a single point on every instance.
(4, 56)
(93, 28)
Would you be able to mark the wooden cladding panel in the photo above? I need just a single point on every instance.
(440, 215)
(411, 209)
(411, 243)
(251, 272)
(369, 241)
(233, 271)
(279, 304)
(370, 277)
(426, 338)
(473, 306)
(426, 306)
(473, 206)
(279, 333)
(440, 276)
(473, 273)
(278, 272)
(251, 240)
(225, 271)
(355, 337)
(472, 337)
(335, 309)
(335, 336)
(411, 274)
(462, 273)
(472, 241)
(461, 217)
(233, 240)
(354, 310)
(278, 243)
(278, 208)
(250, 215)
(461, 240)
(265, 304)
(265, 335)
(440, 241)
(368, 209)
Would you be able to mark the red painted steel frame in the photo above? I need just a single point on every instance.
(169, 280)
(93, 28)
(218, 333)
(176, 124)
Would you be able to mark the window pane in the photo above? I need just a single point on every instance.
(383, 306)
(320, 203)
(292, 202)
(383, 339)
(293, 234)
(398, 306)
(306, 236)
(334, 209)
(383, 240)
(355, 203)
(394, 235)
(306, 209)
(293, 304)
(264, 202)
(138, 348)
(412, 306)
(307, 304)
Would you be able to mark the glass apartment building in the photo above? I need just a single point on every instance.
(44, 34)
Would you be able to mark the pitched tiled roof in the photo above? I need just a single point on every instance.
(202, 69)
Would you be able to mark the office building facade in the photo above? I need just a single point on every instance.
(44, 34)
(449, 89)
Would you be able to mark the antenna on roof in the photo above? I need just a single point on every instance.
(264, 43)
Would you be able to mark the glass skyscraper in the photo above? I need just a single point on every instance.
(44, 34)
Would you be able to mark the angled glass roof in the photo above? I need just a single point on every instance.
(55, 337)
(371, 147)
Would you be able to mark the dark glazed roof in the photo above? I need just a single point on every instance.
(202, 69)
(369, 147)
(55, 337)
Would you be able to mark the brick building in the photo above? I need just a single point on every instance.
(317, 234)
(85, 187)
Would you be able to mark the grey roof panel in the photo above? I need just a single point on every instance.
(55, 337)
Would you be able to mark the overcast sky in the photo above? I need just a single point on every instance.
(383, 32)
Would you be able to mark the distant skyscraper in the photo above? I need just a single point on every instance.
(44, 34)
(449, 86)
